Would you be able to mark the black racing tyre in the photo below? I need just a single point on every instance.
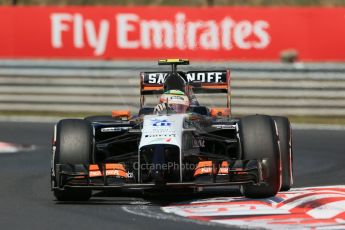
(285, 142)
(103, 118)
(259, 140)
(74, 143)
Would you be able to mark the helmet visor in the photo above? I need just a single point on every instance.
(179, 108)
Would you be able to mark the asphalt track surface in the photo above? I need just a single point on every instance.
(27, 203)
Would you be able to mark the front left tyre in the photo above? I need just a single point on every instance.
(259, 140)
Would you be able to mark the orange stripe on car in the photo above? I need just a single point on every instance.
(224, 168)
(94, 171)
(112, 169)
(211, 86)
(121, 113)
(149, 88)
(203, 167)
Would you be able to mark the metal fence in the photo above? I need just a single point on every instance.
(99, 87)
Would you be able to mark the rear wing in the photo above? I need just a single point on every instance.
(214, 81)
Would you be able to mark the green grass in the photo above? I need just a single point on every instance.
(334, 120)
(181, 2)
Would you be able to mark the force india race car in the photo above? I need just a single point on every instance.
(199, 148)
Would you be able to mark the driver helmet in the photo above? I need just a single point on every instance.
(176, 100)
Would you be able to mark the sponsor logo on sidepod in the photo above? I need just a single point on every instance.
(160, 122)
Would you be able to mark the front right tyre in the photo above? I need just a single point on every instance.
(74, 145)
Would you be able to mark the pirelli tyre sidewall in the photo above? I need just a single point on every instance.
(74, 145)
(285, 142)
(259, 140)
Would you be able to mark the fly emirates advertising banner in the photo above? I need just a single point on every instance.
(221, 33)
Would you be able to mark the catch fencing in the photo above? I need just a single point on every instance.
(99, 87)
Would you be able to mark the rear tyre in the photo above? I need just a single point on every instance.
(74, 144)
(259, 140)
(285, 142)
